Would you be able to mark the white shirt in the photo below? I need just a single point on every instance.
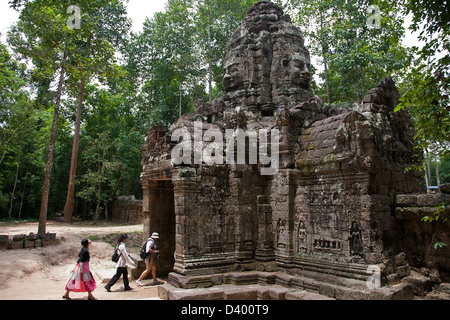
(124, 259)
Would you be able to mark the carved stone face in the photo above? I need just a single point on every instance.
(233, 78)
(300, 72)
(266, 62)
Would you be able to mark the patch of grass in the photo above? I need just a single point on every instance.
(134, 238)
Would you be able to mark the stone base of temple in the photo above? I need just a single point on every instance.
(274, 286)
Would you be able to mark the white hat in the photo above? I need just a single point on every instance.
(155, 235)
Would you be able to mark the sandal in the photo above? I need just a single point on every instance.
(92, 298)
(66, 297)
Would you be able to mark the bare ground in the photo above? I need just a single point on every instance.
(42, 273)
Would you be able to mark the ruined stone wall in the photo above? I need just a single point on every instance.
(127, 210)
(219, 222)
(416, 238)
(20, 241)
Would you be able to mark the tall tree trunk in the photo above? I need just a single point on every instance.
(14, 188)
(48, 168)
(105, 203)
(150, 104)
(68, 208)
(438, 179)
(99, 197)
(181, 92)
(209, 56)
(427, 182)
(363, 81)
(23, 197)
(428, 167)
(325, 65)
(327, 83)
(427, 170)
(97, 208)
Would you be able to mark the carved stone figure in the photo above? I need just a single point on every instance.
(281, 233)
(301, 241)
(267, 65)
(356, 246)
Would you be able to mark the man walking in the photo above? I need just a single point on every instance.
(151, 260)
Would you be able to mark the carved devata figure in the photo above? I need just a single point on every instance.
(281, 233)
(356, 246)
(301, 238)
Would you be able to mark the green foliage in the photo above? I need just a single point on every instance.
(220, 18)
(440, 217)
(426, 99)
(356, 55)
(439, 245)
(427, 84)
(21, 138)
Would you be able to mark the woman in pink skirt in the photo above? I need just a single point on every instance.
(82, 279)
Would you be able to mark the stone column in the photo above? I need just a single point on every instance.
(283, 216)
(265, 248)
(146, 186)
(186, 190)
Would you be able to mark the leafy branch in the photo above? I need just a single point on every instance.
(440, 216)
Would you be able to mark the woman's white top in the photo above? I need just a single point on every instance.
(124, 259)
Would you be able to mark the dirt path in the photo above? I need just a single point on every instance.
(41, 273)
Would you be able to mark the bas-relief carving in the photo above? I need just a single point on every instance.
(282, 236)
(302, 238)
(355, 239)
(267, 65)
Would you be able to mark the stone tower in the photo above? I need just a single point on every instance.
(326, 212)
(267, 66)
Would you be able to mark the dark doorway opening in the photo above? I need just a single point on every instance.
(162, 221)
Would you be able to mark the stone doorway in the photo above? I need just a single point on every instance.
(160, 217)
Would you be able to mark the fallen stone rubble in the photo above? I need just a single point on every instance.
(27, 241)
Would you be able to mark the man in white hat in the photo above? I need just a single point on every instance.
(151, 259)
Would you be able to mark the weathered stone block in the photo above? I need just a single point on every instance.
(403, 271)
(406, 200)
(29, 244)
(296, 295)
(240, 294)
(4, 242)
(421, 285)
(19, 238)
(277, 293)
(402, 291)
(17, 241)
(400, 259)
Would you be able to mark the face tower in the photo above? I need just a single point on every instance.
(266, 67)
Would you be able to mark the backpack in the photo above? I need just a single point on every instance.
(115, 257)
(143, 252)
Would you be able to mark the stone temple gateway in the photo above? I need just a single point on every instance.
(329, 212)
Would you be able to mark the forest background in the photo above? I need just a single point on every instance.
(79, 88)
